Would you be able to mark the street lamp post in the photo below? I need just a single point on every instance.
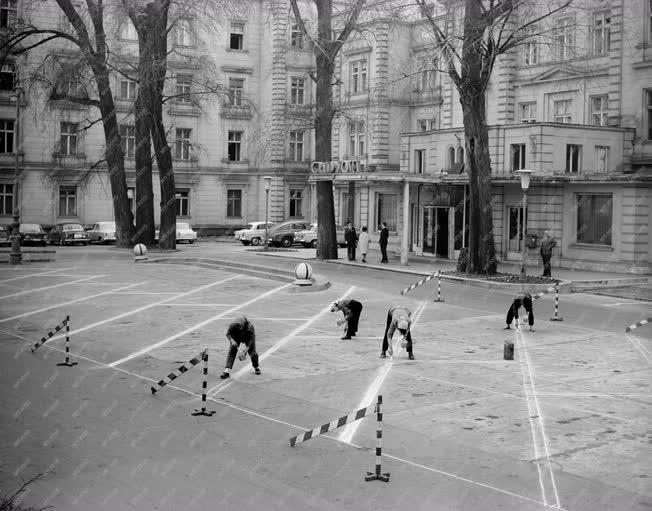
(525, 185)
(16, 256)
(268, 183)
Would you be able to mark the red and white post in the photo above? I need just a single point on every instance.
(203, 410)
(372, 476)
(67, 363)
(556, 317)
(439, 298)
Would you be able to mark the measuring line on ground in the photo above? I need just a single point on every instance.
(27, 291)
(36, 275)
(195, 327)
(640, 347)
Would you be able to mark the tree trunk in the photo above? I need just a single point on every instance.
(145, 228)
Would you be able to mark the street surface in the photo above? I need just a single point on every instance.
(566, 425)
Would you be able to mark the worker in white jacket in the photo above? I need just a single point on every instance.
(363, 244)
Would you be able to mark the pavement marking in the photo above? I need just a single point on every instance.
(251, 412)
(63, 304)
(27, 291)
(222, 385)
(144, 307)
(197, 326)
(617, 304)
(146, 293)
(197, 304)
(640, 347)
(346, 435)
(37, 275)
(534, 412)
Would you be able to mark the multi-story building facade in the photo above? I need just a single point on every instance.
(573, 104)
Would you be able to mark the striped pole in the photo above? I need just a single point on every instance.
(67, 363)
(372, 476)
(439, 298)
(556, 316)
(203, 410)
(49, 335)
(337, 423)
(417, 284)
(175, 374)
(636, 325)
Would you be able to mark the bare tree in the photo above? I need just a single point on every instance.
(326, 45)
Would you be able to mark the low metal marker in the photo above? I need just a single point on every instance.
(337, 423)
(377, 475)
(203, 410)
(636, 325)
(67, 363)
(439, 298)
(417, 284)
(50, 335)
(556, 317)
(175, 374)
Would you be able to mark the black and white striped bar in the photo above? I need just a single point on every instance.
(378, 475)
(543, 293)
(67, 363)
(636, 325)
(417, 284)
(439, 298)
(556, 317)
(50, 335)
(337, 423)
(203, 410)
(175, 374)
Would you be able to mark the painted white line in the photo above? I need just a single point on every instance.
(63, 304)
(640, 347)
(221, 386)
(27, 291)
(135, 293)
(195, 327)
(346, 435)
(197, 304)
(534, 413)
(141, 309)
(47, 273)
(617, 304)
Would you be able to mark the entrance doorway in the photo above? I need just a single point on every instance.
(515, 221)
(435, 230)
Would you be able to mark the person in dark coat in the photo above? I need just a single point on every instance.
(351, 238)
(547, 244)
(351, 310)
(398, 318)
(384, 238)
(524, 299)
(241, 331)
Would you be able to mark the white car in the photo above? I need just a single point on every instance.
(253, 234)
(102, 232)
(185, 233)
(308, 238)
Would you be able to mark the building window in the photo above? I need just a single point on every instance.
(67, 201)
(183, 33)
(128, 31)
(68, 140)
(296, 202)
(297, 88)
(422, 125)
(648, 97)
(234, 203)
(562, 111)
(182, 144)
(8, 12)
(601, 32)
(127, 88)
(356, 138)
(426, 80)
(573, 158)
(450, 157)
(182, 201)
(460, 155)
(184, 83)
(531, 52)
(432, 124)
(128, 140)
(236, 88)
(6, 199)
(563, 38)
(131, 196)
(7, 76)
(601, 159)
(419, 161)
(74, 89)
(599, 110)
(234, 145)
(386, 210)
(594, 214)
(527, 112)
(358, 76)
(518, 157)
(6, 136)
(296, 145)
(236, 36)
(296, 37)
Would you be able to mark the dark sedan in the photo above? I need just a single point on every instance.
(32, 234)
(5, 240)
(69, 234)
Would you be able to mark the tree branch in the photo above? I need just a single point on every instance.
(350, 24)
(56, 96)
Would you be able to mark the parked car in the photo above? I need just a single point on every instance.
(308, 238)
(32, 234)
(185, 233)
(253, 234)
(282, 235)
(102, 232)
(68, 234)
(5, 232)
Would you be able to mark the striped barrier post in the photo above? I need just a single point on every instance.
(556, 317)
(372, 476)
(175, 374)
(49, 335)
(203, 410)
(417, 284)
(337, 423)
(636, 325)
(67, 363)
(439, 298)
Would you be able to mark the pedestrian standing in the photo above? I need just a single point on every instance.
(351, 238)
(363, 243)
(384, 238)
(398, 318)
(351, 310)
(241, 332)
(524, 299)
(547, 244)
